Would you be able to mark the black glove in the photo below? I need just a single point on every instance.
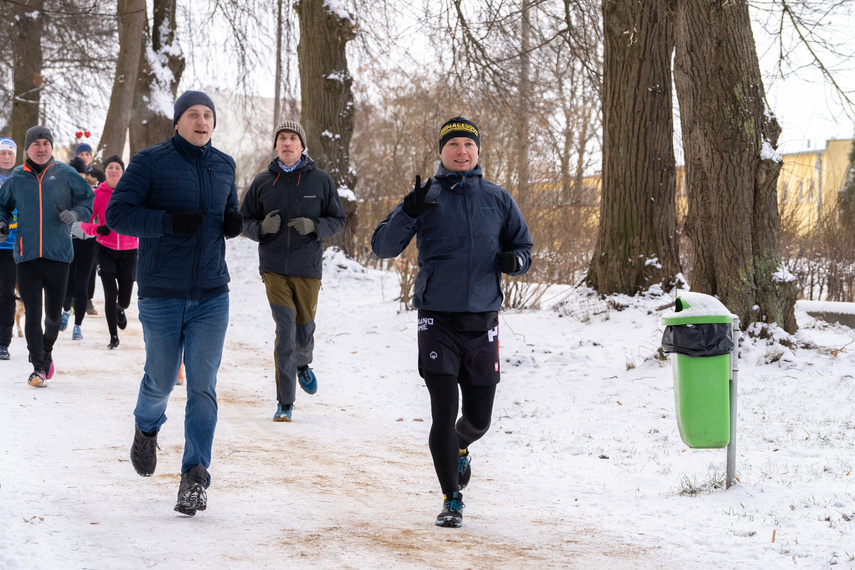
(508, 262)
(414, 203)
(188, 223)
(4, 231)
(232, 222)
(102, 230)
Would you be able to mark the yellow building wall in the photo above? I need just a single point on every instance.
(808, 186)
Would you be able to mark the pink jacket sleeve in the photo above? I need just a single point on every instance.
(98, 209)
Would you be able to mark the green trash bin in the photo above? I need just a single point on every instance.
(699, 337)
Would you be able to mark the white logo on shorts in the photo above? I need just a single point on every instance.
(433, 355)
(493, 333)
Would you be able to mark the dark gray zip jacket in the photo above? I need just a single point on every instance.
(307, 192)
(458, 242)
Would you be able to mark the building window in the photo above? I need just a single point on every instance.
(801, 191)
(784, 192)
(810, 191)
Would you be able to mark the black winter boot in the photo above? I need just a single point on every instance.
(144, 453)
(191, 493)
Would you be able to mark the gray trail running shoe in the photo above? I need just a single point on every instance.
(191, 493)
(451, 515)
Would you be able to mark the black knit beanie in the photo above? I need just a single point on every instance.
(113, 158)
(36, 133)
(77, 164)
(459, 127)
(187, 100)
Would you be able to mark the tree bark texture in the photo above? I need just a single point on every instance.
(27, 81)
(733, 221)
(524, 110)
(152, 116)
(132, 17)
(327, 99)
(637, 238)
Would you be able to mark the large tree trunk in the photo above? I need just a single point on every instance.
(327, 100)
(132, 17)
(731, 167)
(152, 120)
(523, 109)
(27, 24)
(637, 242)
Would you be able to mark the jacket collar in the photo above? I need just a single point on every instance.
(306, 164)
(188, 149)
(457, 181)
(31, 166)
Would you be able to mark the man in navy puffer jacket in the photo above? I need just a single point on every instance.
(468, 232)
(179, 197)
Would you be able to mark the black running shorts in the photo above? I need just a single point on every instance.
(464, 345)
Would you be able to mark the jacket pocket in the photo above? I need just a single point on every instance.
(421, 284)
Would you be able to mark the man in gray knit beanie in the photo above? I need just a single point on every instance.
(289, 209)
(36, 133)
(294, 127)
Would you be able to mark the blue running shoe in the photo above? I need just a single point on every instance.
(283, 412)
(77, 334)
(451, 516)
(307, 379)
(64, 324)
(464, 470)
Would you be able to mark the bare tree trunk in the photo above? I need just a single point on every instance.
(27, 24)
(152, 121)
(277, 92)
(636, 243)
(731, 167)
(327, 99)
(132, 18)
(523, 112)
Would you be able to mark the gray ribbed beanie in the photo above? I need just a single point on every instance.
(292, 126)
(35, 133)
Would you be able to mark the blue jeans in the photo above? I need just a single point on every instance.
(196, 331)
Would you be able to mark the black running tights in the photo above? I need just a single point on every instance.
(117, 295)
(34, 278)
(81, 272)
(446, 436)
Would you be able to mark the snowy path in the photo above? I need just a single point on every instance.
(583, 466)
(348, 484)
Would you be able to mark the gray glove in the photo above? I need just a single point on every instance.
(68, 217)
(302, 225)
(4, 231)
(270, 224)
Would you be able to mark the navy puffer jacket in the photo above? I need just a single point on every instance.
(176, 176)
(458, 242)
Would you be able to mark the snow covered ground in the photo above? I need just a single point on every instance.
(583, 465)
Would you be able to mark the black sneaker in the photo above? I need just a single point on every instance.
(144, 453)
(114, 342)
(4, 352)
(451, 516)
(191, 492)
(464, 470)
(121, 319)
(90, 308)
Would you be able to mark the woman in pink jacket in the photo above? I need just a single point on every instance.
(117, 254)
